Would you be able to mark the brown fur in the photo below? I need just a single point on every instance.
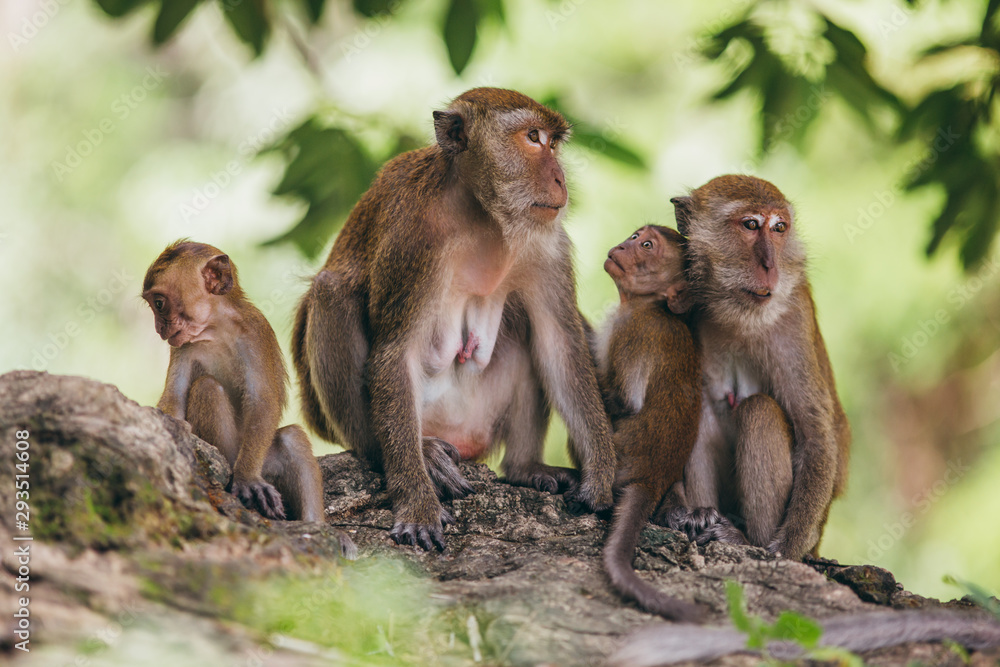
(774, 440)
(227, 379)
(651, 379)
(452, 278)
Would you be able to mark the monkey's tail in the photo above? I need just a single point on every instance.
(311, 410)
(634, 508)
(667, 644)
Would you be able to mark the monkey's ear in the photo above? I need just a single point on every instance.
(449, 127)
(218, 275)
(682, 212)
(679, 298)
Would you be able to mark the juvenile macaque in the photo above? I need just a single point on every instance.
(227, 379)
(651, 378)
(773, 441)
(445, 322)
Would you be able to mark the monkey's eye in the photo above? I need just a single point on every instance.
(533, 136)
(633, 237)
(647, 244)
(751, 224)
(780, 227)
(158, 304)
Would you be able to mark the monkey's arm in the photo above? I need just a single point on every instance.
(180, 373)
(396, 305)
(561, 353)
(261, 413)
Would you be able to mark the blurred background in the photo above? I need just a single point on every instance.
(254, 125)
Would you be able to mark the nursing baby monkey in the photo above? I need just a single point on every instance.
(650, 374)
(227, 379)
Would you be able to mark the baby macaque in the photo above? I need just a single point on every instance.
(228, 380)
(651, 378)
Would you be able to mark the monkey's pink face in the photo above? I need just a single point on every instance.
(763, 230)
(540, 147)
(174, 322)
(646, 264)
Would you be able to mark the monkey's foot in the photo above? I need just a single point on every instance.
(442, 460)
(424, 536)
(541, 477)
(261, 496)
(701, 524)
(580, 499)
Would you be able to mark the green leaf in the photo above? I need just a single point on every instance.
(797, 628)
(172, 14)
(460, 32)
(328, 170)
(314, 8)
(249, 19)
(738, 608)
(372, 8)
(607, 147)
(119, 8)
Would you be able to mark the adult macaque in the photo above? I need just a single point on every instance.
(773, 440)
(651, 379)
(227, 379)
(445, 320)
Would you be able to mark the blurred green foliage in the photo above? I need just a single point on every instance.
(790, 91)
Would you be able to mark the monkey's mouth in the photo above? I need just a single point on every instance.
(549, 206)
(759, 295)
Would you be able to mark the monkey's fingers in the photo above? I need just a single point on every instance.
(425, 537)
(441, 459)
(262, 497)
(545, 478)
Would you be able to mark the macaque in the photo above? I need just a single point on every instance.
(773, 441)
(227, 379)
(445, 321)
(651, 378)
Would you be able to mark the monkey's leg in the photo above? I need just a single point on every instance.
(291, 467)
(524, 431)
(763, 459)
(212, 417)
(330, 350)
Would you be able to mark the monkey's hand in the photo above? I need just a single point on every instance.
(427, 536)
(701, 524)
(442, 460)
(256, 494)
